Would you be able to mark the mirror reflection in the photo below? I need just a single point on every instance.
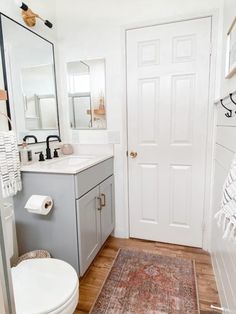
(86, 92)
(31, 81)
(39, 100)
(3, 108)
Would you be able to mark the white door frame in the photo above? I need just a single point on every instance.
(213, 85)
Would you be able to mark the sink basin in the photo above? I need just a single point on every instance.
(70, 161)
(71, 164)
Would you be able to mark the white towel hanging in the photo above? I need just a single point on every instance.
(227, 214)
(10, 176)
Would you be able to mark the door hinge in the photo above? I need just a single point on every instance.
(127, 153)
(210, 50)
(203, 227)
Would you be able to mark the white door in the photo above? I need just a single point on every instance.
(167, 90)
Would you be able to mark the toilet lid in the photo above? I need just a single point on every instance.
(43, 285)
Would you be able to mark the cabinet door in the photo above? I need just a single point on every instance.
(107, 212)
(89, 233)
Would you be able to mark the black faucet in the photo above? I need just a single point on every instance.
(30, 136)
(48, 150)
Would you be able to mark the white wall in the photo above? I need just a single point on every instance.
(223, 252)
(92, 29)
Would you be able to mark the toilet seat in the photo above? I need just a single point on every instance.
(45, 286)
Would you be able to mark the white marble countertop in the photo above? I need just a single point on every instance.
(70, 164)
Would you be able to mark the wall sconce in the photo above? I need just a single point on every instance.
(3, 94)
(29, 16)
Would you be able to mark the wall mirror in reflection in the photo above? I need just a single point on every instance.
(86, 93)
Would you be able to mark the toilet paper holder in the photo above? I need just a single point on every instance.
(48, 204)
(39, 204)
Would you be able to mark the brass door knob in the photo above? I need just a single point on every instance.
(133, 154)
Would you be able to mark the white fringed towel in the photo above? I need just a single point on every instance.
(10, 176)
(227, 214)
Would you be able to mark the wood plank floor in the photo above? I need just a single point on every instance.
(93, 280)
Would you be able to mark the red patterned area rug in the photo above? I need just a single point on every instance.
(144, 282)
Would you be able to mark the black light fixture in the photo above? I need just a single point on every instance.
(29, 16)
(22, 5)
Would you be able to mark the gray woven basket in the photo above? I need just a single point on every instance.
(31, 255)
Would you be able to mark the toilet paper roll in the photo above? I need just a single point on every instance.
(39, 204)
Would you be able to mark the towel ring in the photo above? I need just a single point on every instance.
(4, 115)
(231, 98)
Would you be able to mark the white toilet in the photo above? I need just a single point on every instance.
(42, 286)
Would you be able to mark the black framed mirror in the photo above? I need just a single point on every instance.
(30, 80)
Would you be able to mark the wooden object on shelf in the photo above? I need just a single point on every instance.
(101, 109)
(3, 94)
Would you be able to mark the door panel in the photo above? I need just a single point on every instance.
(148, 119)
(167, 94)
(182, 109)
(90, 229)
(149, 202)
(107, 212)
(180, 195)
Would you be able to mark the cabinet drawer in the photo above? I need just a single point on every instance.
(89, 178)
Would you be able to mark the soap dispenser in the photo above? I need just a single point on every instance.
(25, 154)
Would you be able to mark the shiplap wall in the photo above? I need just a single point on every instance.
(224, 252)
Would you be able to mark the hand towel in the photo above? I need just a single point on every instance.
(227, 214)
(10, 176)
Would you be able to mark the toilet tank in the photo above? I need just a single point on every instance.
(7, 217)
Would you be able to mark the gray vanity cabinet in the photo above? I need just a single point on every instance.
(78, 225)
(95, 220)
(90, 227)
(107, 213)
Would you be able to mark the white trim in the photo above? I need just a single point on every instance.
(125, 232)
(169, 20)
(5, 269)
(230, 69)
(207, 220)
(214, 14)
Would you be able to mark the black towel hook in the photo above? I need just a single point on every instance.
(228, 114)
(231, 98)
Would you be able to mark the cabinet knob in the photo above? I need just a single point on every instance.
(133, 154)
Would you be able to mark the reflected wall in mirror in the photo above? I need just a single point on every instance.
(30, 77)
(3, 107)
(87, 94)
